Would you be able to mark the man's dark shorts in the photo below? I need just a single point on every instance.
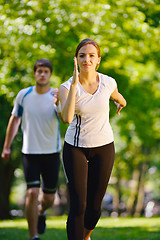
(42, 168)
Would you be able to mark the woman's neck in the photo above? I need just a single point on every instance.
(89, 82)
(88, 77)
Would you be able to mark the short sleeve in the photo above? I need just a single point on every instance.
(18, 109)
(112, 84)
(108, 82)
(67, 84)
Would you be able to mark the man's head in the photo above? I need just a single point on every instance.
(42, 72)
(43, 62)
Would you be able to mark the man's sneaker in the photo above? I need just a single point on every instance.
(35, 238)
(41, 223)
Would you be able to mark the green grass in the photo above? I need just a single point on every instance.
(107, 229)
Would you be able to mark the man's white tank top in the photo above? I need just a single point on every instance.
(90, 126)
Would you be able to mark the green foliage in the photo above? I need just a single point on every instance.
(128, 33)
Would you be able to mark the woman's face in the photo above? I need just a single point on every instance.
(88, 58)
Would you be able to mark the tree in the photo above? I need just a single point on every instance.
(7, 169)
(128, 35)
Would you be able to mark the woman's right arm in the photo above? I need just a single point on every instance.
(67, 97)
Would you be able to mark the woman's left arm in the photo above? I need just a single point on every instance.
(118, 100)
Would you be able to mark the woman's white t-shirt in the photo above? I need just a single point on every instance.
(90, 126)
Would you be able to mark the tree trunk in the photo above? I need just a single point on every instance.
(7, 168)
(6, 180)
(140, 201)
(117, 196)
(134, 192)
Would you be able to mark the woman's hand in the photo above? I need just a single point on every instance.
(68, 97)
(75, 73)
(118, 100)
(119, 107)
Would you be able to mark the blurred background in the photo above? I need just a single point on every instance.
(128, 33)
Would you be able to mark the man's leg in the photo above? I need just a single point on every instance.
(46, 202)
(32, 177)
(49, 171)
(31, 208)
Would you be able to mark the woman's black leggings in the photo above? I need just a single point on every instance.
(87, 172)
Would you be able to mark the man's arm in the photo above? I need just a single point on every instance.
(12, 130)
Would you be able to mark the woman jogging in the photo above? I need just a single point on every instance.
(88, 153)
